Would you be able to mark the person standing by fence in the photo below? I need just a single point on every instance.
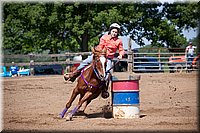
(189, 52)
(109, 41)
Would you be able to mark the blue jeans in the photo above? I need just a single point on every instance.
(88, 60)
(190, 58)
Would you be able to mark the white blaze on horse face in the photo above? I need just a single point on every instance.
(103, 61)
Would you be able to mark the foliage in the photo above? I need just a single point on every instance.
(36, 27)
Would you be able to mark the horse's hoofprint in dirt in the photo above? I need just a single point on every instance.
(167, 101)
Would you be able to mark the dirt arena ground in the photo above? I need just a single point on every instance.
(168, 102)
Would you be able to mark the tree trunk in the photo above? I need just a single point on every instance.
(84, 43)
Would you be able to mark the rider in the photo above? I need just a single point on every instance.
(112, 43)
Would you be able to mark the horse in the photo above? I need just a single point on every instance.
(89, 83)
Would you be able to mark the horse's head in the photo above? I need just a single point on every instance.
(99, 63)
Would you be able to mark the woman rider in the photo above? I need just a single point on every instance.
(112, 43)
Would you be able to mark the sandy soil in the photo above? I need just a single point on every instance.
(168, 102)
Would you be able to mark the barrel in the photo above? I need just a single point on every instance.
(125, 97)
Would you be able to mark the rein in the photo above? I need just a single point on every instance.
(96, 72)
(112, 66)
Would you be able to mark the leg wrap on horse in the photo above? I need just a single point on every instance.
(74, 110)
(63, 112)
(104, 90)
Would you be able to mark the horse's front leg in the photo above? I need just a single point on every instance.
(85, 97)
(68, 105)
(95, 95)
(86, 104)
(81, 96)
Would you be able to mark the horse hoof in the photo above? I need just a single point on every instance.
(68, 117)
(59, 116)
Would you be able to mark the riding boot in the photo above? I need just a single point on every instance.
(72, 76)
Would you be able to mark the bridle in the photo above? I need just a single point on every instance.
(101, 59)
(95, 70)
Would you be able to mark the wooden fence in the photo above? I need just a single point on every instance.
(67, 59)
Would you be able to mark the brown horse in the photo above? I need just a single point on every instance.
(89, 83)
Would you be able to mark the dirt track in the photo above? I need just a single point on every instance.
(167, 102)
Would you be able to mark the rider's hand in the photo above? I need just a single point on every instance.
(119, 57)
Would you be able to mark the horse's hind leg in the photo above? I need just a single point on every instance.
(69, 103)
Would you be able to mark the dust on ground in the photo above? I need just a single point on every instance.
(168, 101)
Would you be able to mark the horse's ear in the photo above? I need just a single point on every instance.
(95, 50)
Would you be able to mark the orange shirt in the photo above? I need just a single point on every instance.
(112, 45)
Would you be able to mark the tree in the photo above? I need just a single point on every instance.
(35, 27)
(162, 24)
(53, 26)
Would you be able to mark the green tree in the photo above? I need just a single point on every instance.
(35, 27)
(59, 26)
(162, 24)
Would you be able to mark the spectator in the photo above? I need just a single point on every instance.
(14, 69)
(189, 52)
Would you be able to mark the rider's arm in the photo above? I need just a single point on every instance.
(121, 50)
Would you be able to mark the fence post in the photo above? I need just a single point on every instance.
(159, 54)
(130, 63)
(31, 64)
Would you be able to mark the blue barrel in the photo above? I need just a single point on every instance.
(125, 98)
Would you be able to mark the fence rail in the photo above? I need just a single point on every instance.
(67, 59)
